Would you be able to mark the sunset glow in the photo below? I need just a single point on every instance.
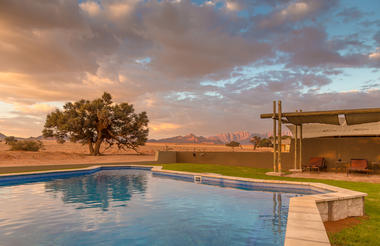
(199, 66)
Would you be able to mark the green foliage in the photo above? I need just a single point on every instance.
(265, 142)
(9, 140)
(233, 144)
(98, 121)
(255, 141)
(26, 145)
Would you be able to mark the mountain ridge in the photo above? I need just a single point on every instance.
(242, 137)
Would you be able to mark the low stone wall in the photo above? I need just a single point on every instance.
(249, 159)
(166, 157)
(340, 209)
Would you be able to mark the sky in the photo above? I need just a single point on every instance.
(203, 67)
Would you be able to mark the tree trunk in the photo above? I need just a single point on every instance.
(91, 148)
(97, 146)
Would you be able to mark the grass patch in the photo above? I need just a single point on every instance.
(365, 233)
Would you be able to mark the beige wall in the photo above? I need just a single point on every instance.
(344, 148)
(166, 157)
(330, 148)
(250, 159)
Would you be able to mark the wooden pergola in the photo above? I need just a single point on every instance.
(298, 118)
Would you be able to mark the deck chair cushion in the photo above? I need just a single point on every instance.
(359, 164)
(316, 162)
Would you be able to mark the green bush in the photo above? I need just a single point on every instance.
(9, 140)
(265, 142)
(26, 145)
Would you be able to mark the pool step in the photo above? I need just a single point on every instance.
(197, 179)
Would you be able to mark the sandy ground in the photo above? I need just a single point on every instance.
(74, 153)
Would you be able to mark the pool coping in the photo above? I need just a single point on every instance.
(306, 213)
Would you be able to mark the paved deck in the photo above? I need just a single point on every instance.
(357, 177)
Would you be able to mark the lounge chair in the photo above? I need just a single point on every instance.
(358, 165)
(315, 163)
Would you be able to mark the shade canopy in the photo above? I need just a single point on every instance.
(324, 130)
(331, 117)
(353, 119)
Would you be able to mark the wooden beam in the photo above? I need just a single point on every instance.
(319, 113)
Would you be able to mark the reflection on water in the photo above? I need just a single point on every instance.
(279, 216)
(98, 189)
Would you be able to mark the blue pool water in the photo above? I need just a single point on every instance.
(134, 207)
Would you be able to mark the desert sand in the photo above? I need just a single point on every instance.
(54, 153)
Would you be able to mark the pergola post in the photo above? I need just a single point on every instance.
(300, 147)
(279, 135)
(274, 138)
(295, 147)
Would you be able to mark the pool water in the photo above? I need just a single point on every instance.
(134, 207)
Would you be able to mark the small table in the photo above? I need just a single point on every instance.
(375, 166)
(340, 165)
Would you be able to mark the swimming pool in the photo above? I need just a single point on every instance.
(137, 207)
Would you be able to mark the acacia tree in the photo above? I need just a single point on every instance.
(233, 144)
(97, 121)
(255, 141)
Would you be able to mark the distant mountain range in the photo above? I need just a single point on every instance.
(2, 136)
(242, 137)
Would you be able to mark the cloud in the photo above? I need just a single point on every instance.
(21, 126)
(195, 66)
(350, 14)
(163, 127)
(35, 109)
(92, 8)
(232, 6)
(294, 11)
(189, 36)
(310, 47)
(375, 55)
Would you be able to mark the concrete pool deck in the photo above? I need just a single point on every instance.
(305, 216)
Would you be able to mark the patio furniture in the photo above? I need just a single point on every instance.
(340, 166)
(315, 163)
(375, 166)
(358, 165)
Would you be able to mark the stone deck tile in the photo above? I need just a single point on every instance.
(300, 242)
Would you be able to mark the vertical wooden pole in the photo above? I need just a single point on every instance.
(301, 146)
(274, 138)
(279, 135)
(295, 147)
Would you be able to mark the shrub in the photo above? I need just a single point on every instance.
(9, 140)
(265, 142)
(233, 144)
(26, 145)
